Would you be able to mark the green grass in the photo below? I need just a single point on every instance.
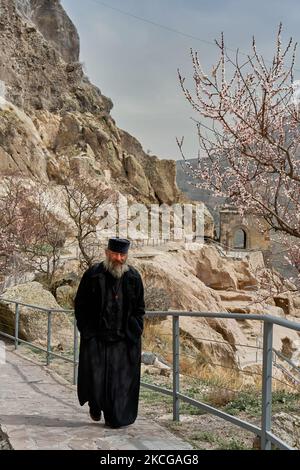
(217, 442)
(250, 403)
(187, 409)
(155, 397)
(231, 444)
(204, 436)
(284, 401)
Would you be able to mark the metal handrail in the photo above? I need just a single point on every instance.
(286, 359)
(48, 351)
(267, 437)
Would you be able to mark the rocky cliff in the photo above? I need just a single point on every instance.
(53, 121)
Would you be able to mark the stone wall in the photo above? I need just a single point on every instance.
(255, 230)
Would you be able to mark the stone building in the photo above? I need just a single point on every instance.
(248, 233)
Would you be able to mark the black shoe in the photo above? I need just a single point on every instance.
(107, 423)
(95, 415)
(116, 426)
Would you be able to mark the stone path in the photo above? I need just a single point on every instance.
(40, 411)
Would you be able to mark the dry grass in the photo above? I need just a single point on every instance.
(223, 384)
(157, 338)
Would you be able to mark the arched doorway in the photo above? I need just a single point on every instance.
(240, 239)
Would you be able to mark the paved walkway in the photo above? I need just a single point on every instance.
(39, 411)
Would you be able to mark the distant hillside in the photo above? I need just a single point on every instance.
(198, 194)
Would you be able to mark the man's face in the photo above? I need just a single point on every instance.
(116, 258)
(116, 263)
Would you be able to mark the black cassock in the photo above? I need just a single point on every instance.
(110, 342)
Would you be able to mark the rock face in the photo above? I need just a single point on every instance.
(221, 273)
(21, 147)
(33, 323)
(136, 175)
(160, 174)
(56, 27)
(66, 126)
(34, 71)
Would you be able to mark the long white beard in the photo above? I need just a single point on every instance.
(116, 270)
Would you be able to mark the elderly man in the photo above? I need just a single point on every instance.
(109, 309)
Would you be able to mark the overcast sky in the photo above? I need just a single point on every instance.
(135, 63)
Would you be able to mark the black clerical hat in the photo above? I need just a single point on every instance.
(120, 245)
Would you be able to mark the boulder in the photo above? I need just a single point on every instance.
(289, 301)
(214, 271)
(245, 277)
(291, 349)
(223, 273)
(230, 296)
(33, 323)
(65, 296)
(284, 302)
(148, 358)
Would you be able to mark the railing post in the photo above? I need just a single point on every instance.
(75, 353)
(267, 385)
(17, 316)
(49, 331)
(175, 367)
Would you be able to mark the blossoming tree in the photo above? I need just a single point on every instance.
(249, 134)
